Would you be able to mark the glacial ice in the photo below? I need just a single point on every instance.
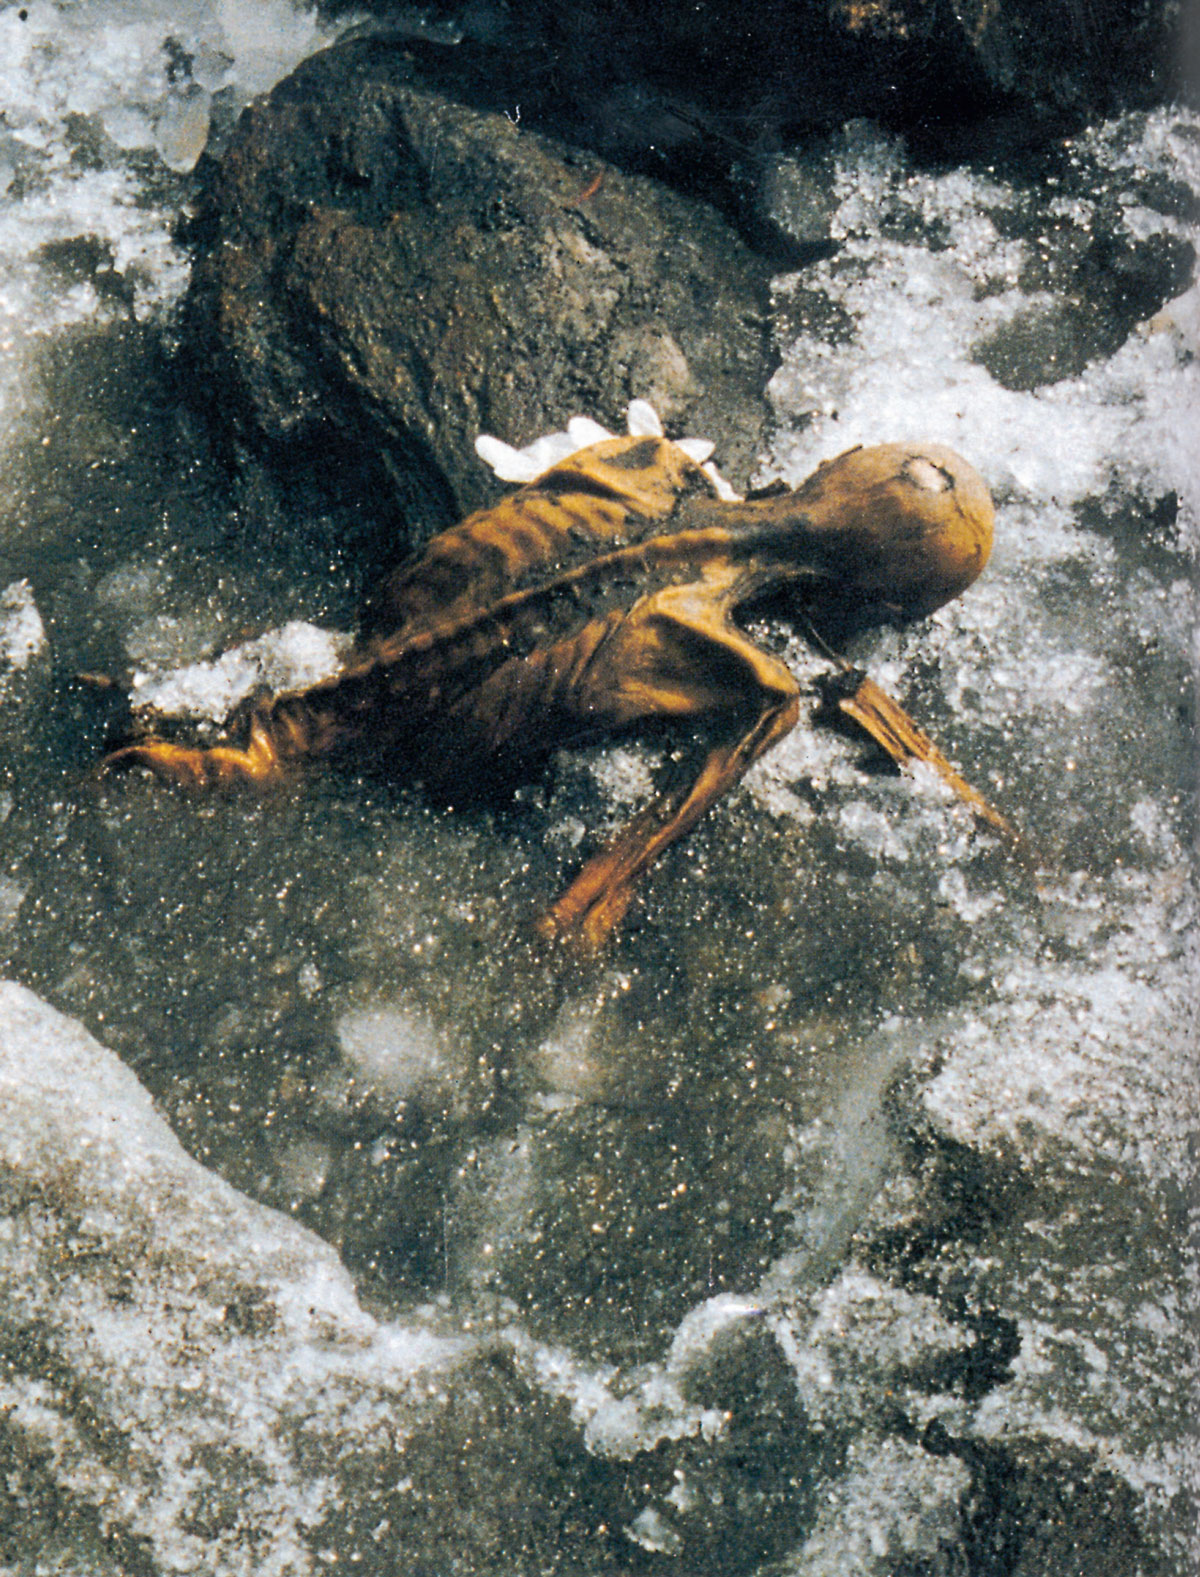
(220, 1344)
(119, 69)
(965, 1272)
(22, 633)
(293, 657)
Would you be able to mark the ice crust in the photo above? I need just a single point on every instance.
(896, 1504)
(123, 65)
(918, 314)
(1045, 1094)
(22, 633)
(210, 1336)
(113, 75)
(293, 657)
(1078, 1061)
(24, 678)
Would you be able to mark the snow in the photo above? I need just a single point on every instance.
(293, 657)
(392, 1052)
(22, 633)
(118, 74)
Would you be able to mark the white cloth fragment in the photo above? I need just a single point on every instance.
(722, 486)
(509, 464)
(642, 421)
(584, 431)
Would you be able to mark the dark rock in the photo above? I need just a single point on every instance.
(1032, 1510)
(386, 274)
(1097, 56)
(681, 84)
(1098, 282)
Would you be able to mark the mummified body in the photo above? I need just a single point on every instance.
(601, 596)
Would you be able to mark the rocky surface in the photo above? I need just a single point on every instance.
(440, 229)
(386, 274)
(447, 227)
(671, 85)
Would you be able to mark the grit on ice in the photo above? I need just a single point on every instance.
(207, 1381)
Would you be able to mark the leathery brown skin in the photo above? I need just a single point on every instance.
(601, 596)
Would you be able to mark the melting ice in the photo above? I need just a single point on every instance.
(849, 1196)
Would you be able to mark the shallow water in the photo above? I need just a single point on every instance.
(853, 1085)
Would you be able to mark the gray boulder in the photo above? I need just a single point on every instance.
(385, 274)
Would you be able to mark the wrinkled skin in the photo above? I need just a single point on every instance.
(600, 597)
